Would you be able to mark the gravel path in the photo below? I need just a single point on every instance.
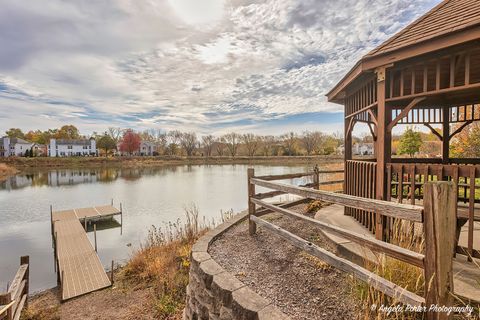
(300, 285)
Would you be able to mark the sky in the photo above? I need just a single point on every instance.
(209, 66)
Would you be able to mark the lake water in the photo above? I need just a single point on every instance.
(150, 196)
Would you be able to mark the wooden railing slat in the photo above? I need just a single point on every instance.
(389, 249)
(397, 210)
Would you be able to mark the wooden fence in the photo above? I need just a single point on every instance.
(406, 184)
(15, 299)
(438, 216)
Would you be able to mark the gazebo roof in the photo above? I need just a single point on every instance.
(449, 23)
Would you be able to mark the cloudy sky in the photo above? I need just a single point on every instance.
(210, 66)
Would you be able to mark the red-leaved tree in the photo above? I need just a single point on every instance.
(130, 142)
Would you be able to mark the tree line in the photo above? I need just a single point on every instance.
(178, 143)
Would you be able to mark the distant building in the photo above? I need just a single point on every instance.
(363, 148)
(14, 147)
(340, 149)
(72, 148)
(146, 148)
(39, 150)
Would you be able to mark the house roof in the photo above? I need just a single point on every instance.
(449, 23)
(80, 142)
(17, 140)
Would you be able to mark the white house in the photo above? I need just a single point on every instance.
(72, 148)
(363, 148)
(14, 147)
(146, 149)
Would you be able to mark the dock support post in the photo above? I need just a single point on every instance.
(121, 219)
(95, 235)
(316, 177)
(439, 227)
(112, 202)
(252, 227)
(111, 274)
(85, 222)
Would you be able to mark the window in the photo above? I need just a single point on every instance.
(70, 147)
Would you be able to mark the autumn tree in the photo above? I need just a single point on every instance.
(207, 143)
(68, 132)
(189, 141)
(173, 138)
(410, 142)
(252, 143)
(106, 143)
(231, 141)
(130, 142)
(466, 143)
(15, 133)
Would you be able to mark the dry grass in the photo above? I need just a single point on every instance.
(163, 263)
(403, 274)
(6, 171)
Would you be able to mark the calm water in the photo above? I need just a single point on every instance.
(150, 196)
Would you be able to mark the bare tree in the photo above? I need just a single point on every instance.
(173, 141)
(115, 133)
(290, 143)
(267, 143)
(252, 143)
(311, 141)
(207, 143)
(189, 142)
(231, 140)
(220, 146)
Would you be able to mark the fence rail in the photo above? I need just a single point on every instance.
(15, 299)
(437, 262)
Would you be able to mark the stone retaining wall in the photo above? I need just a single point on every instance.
(213, 293)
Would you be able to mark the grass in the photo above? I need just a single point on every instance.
(163, 262)
(6, 171)
(403, 274)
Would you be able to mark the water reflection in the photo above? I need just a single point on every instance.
(66, 177)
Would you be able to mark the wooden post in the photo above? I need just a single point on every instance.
(252, 227)
(316, 177)
(111, 274)
(5, 299)
(446, 135)
(26, 260)
(95, 235)
(85, 223)
(51, 219)
(121, 219)
(439, 226)
(383, 146)
(112, 202)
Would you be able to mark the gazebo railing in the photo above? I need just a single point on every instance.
(406, 185)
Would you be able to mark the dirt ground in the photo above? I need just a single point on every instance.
(112, 303)
(298, 284)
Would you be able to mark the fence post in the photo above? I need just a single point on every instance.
(252, 227)
(316, 177)
(5, 299)
(26, 260)
(439, 227)
(95, 235)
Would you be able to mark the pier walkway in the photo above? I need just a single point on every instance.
(79, 268)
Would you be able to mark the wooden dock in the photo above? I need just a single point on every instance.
(79, 268)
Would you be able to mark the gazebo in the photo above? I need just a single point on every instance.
(427, 74)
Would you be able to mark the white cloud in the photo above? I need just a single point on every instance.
(206, 65)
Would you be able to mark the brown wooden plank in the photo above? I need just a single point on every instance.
(401, 211)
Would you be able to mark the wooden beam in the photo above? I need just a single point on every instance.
(460, 128)
(252, 227)
(396, 210)
(372, 279)
(372, 131)
(389, 249)
(446, 134)
(435, 132)
(404, 112)
(372, 115)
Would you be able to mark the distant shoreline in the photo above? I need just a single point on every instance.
(21, 163)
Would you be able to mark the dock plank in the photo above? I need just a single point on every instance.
(78, 262)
